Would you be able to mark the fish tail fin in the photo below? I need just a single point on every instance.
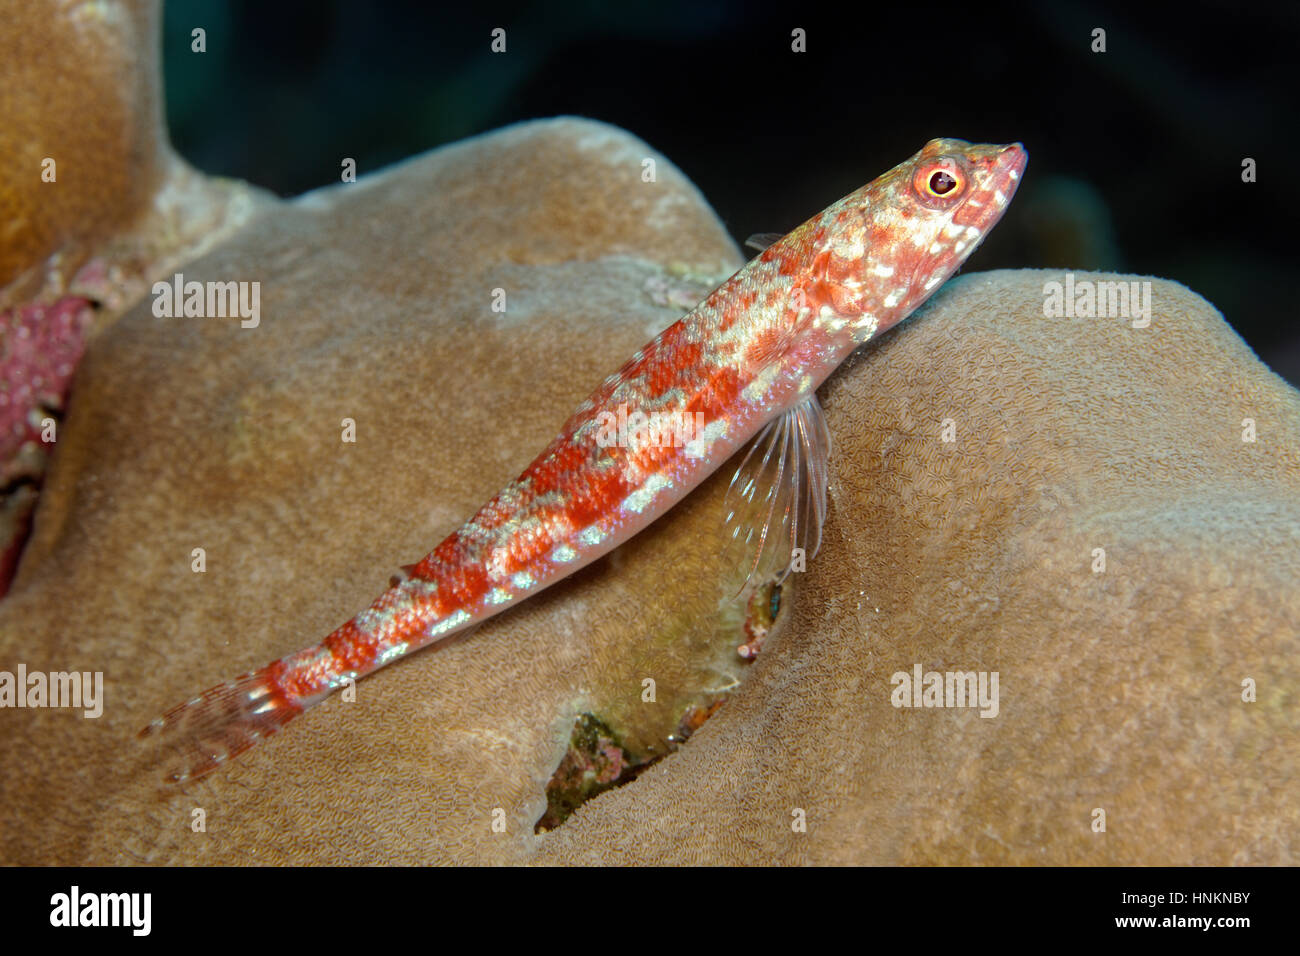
(222, 723)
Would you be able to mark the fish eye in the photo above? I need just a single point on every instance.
(943, 181)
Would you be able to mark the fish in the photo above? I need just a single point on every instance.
(742, 367)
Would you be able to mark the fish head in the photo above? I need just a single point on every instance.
(890, 245)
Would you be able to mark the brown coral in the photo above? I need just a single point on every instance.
(79, 85)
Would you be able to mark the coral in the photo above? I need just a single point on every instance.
(39, 348)
(78, 85)
(79, 89)
(595, 762)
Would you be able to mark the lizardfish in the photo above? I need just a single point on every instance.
(745, 362)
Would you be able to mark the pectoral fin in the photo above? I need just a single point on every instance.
(777, 499)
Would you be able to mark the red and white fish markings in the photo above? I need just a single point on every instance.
(755, 349)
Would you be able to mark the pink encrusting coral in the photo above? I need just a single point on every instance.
(39, 349)
(40, 346)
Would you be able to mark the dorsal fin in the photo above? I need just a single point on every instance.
(761, 240)
(404, 572)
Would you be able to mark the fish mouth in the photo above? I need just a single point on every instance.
(1004, 167)
(996, 172)
(1009, 166)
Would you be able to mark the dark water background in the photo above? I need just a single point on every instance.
(1135, 153)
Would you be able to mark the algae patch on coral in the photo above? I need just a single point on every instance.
(601, 758)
